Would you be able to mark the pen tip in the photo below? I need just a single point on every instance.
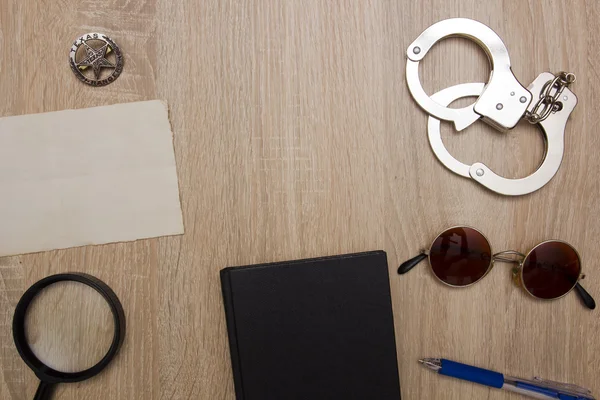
(421, 361)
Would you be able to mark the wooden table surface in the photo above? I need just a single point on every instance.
(296, 136)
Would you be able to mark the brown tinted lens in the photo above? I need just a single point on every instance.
(551, 270)
(460, 256)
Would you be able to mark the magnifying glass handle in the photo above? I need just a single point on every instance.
(44, 391)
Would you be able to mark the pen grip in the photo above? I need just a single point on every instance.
(472, 374)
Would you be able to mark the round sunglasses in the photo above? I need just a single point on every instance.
(461, 256)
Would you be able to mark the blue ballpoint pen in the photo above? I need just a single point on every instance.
(537, 388)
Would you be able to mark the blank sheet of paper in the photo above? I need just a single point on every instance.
(84, 177)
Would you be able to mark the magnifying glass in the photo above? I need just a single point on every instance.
(58, 372)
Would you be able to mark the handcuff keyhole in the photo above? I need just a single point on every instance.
(557, 106)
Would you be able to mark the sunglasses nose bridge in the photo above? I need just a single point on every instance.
(509, 256)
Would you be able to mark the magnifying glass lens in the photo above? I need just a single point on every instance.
(69, 326)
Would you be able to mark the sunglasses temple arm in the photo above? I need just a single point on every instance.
(587, 298)
(410, 264)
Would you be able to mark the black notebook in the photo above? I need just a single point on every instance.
(312, 329)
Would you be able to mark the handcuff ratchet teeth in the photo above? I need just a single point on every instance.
(502, 103)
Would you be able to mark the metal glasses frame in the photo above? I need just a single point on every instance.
(502, 256)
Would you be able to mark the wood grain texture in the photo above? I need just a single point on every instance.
(295, 136)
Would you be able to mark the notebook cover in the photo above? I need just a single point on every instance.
(312, 329)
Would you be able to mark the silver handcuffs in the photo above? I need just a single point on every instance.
(502, 103)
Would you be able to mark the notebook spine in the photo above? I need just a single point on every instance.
(232, 333)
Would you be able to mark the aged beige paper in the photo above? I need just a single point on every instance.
(90, 176)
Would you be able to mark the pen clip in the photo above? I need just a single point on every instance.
(560, 386)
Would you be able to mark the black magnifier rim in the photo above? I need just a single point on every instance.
(42, 371)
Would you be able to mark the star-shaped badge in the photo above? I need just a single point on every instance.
(96, 58)
(92, 50)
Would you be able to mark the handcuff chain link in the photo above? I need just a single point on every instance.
(548, 102)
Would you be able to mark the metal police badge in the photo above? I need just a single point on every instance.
(96, 59)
